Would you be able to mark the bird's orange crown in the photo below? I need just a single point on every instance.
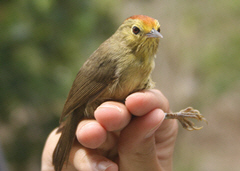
(148, 22)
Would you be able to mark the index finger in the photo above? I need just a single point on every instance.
(142, 102)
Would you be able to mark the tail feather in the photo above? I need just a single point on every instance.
(64, 145)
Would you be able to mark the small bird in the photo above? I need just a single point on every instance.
(120, 66)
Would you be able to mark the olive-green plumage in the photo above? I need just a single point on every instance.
(120, 66)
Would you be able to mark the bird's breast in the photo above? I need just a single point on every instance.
(132, 77)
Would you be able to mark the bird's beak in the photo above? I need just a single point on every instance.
(154, 33)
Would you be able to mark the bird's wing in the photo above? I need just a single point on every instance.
(92, 79)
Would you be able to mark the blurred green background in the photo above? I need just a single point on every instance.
(43, 43)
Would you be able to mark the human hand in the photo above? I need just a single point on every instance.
(118, 141)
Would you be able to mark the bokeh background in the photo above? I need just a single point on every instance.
(43, 43)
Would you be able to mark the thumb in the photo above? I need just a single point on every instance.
(137, 150)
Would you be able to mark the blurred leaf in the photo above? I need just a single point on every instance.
(42, 45)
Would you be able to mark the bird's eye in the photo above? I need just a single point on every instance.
(135, 30)
(158, 30)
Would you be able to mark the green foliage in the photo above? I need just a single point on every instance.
(42, 45)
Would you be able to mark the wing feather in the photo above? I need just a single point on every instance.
(92, 79)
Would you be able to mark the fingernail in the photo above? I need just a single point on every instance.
(103, 165)
(106, 105)
(86, 127)
(152, 131)
(134, 95)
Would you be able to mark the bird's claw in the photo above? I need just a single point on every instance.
(184, 115)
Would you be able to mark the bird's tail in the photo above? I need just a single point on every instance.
(64, 145)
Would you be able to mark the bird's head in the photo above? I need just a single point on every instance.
(141, 33)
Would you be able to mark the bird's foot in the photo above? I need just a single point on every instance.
(184, 115)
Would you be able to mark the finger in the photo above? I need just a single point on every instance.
(166, 136)
(91, 134)
(140, 103)
(87, 159)
(112, 116)
(49, 147)
(137, 143)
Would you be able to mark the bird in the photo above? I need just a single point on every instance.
(121, 65)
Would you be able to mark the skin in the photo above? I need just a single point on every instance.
(114, 141)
